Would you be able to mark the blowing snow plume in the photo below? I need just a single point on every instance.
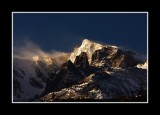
(32, 51)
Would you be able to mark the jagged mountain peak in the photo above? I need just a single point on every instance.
(87, 46)
(86, 41)
(106, 55)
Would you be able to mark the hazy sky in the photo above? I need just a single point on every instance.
(64, 31)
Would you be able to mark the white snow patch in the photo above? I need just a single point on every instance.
(97, 94)
(143, 66)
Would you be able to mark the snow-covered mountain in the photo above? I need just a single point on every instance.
(91, 72)
(30, 76)
(113, 56)
(26, 83)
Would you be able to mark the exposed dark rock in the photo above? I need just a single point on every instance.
(67, 76)
(129, 60)
(40, 74)
(118, 58)
(124, 60)
(81, 62)
(98, 55)
(103, 57)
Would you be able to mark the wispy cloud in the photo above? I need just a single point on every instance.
(30, 49)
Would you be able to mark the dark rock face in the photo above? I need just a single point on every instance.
(81, 61)
(111, 58)
(118, 58)
(40, 74)
(67, 76)
(124, 60)
(98, 55)
(129, 60)
(103, 53)
(103, 56)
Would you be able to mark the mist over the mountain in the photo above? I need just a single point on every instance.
(29, 49)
